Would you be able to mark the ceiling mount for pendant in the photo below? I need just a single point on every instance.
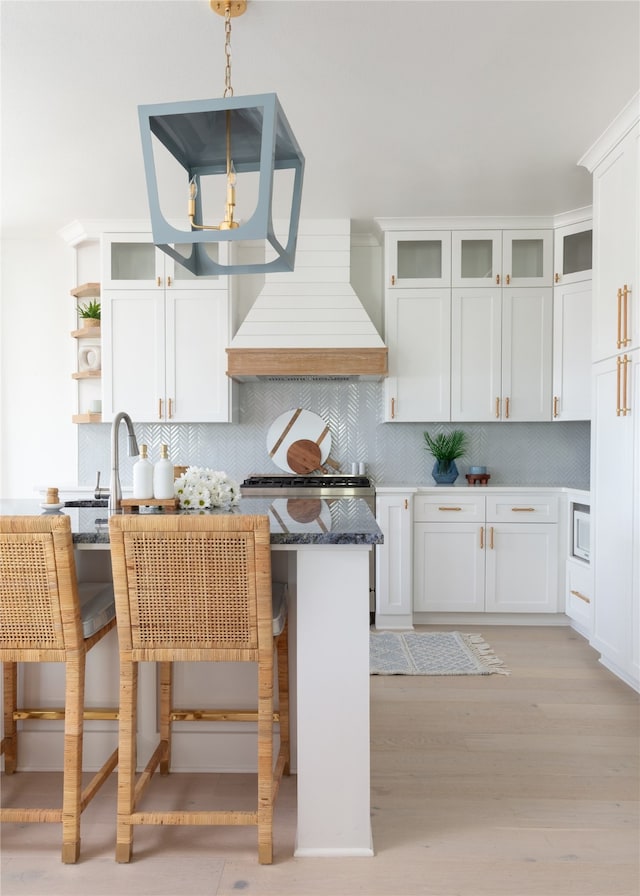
(223, 140)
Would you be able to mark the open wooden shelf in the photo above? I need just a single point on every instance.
(87, 333)
(86, 418)
(86, 291)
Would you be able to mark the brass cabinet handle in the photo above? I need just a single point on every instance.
(393, 409)
(506, 408)
(618, 366)
(158, 281)
(406, 503)
(581, 596)
(497, 279)
(159, 409)
(393, 279)
(523, 509)
(497, 408)
(508, 278)
(555, 405)
(168, 281)
(481, 538)
(624, 410)
(625, 315)
(491, 537)
(449, 508)
(170, 409)
(619, 339)
(557, 278)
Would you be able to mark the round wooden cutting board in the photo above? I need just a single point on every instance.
(298, 426)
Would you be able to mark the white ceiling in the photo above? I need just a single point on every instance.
(458, 107)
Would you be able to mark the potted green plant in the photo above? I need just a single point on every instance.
(446, 447)
(90, 314)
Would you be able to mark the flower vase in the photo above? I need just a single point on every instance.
(445, 473)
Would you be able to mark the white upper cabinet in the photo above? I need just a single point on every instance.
(418, 259)
(572, 254)
(476, 258)
(418, 336)
(572, 351)
(502, 258)
(616, 322)
(501, 354)
(131, 261)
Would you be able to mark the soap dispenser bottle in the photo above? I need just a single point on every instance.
(163, 476)
(143, 476)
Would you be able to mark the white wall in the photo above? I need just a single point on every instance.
(38, 441)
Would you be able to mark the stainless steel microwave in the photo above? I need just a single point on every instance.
(581, 525)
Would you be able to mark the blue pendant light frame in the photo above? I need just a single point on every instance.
(194, 132)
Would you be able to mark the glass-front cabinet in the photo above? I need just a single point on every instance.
(131, 261)
(502, 258)
(418, 258)
(573, 253)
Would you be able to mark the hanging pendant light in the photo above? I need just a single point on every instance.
(224, 139)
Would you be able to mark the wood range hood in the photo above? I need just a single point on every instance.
(309, 323)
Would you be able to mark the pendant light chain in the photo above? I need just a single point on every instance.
(228, 89)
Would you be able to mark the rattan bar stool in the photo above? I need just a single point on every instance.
(46, 617)
(198, 589)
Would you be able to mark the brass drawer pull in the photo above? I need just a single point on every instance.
(523, 509)
(481, 538)
(580, 596)
(449, 508)
(491, 537)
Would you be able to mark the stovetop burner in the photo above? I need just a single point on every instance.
(330, 481)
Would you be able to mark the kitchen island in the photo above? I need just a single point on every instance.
(324, 557)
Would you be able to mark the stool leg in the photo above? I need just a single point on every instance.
(10, 739)
(265, 761)
(72, 775)
(126, 758)
(166, 699)
(283, 697)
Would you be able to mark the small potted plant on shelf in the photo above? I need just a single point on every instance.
(446, 448)
(90, 314)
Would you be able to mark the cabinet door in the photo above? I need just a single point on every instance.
(572, 351)
(526, 354)
(616, 231)
(527, 258)
(476, 329)
(522, 568)
(133, 366)
(476, 258)
(572, 253)
(449, 560)
(418, 259)
(614, 482)
(394, 577)
(418, 326)
(131, 261)
(197, 334)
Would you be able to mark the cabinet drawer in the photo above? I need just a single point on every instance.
(522, 507)
(448, 506)
(579, 594)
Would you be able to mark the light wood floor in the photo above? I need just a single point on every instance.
(524, 785)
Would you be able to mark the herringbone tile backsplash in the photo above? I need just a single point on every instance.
(514, 453)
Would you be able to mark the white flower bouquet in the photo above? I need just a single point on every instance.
(200, 488)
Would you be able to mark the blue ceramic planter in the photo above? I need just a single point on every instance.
(444, 475)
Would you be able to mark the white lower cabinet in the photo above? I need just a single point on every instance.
(579, 596)
(495, 554)
(394, 609)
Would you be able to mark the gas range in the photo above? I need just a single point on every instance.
(289, 486)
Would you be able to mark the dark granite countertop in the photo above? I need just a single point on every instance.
(293, 521)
